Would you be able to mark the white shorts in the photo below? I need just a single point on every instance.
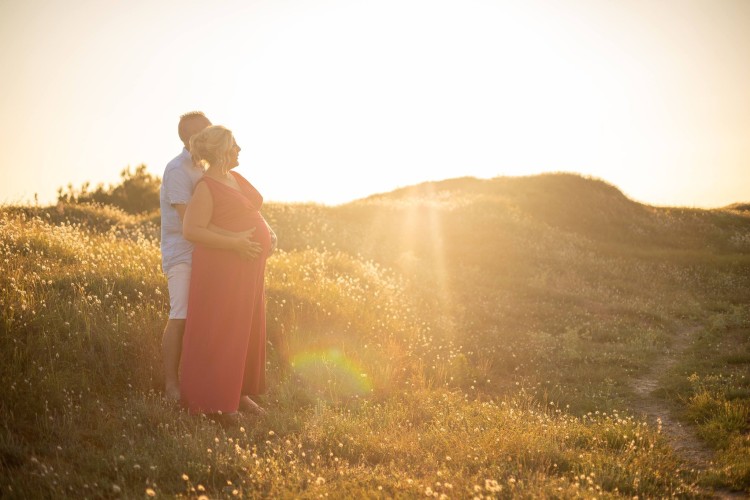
(178, 283)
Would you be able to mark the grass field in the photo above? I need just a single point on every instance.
(460, 339)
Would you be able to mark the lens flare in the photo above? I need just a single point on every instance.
(330, 373)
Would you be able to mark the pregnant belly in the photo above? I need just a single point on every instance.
(245, 223)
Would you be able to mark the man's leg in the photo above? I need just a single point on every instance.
(171, 349)
(178, 281)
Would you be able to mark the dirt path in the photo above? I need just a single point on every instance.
(682, 438)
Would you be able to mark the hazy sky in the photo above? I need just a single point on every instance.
(333, 100)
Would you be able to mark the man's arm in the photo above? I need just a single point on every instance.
(178, 188)
(180, 207)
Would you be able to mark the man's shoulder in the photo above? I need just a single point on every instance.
(180, 161)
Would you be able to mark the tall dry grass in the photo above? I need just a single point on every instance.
(458, 339)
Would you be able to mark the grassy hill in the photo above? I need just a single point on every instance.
(463, 338)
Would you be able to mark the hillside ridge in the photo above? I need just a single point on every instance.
(503, 185)
(576, 204)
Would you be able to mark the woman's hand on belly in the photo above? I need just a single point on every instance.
(244, 246)
(248, 249)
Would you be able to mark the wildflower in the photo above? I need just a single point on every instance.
(492, 485)
(185, 477)
(320, 481)
(150, 492)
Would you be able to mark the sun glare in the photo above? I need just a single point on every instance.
(363, 100)
(339, 99)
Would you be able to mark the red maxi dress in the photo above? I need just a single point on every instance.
(224, 345)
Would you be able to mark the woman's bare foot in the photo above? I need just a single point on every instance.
(247, 405)
(172, 393)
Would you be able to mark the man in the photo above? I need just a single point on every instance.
(180, 177)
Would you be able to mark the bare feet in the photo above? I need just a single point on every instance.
(172, 393)
(225, 419)
(247, 405)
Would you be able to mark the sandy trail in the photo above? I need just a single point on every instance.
(655, 409)
(682, 438)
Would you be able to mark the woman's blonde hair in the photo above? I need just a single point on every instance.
(210, 147)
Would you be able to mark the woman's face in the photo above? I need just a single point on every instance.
(233, 154)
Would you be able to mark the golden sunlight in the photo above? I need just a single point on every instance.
(482, 299)
(334, 100)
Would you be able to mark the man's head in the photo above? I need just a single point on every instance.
(190, 124)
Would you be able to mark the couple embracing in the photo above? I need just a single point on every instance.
(214, 244)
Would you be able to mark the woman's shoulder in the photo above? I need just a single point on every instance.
(202, 183)
(202, 186)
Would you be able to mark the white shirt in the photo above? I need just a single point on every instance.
(177, 184)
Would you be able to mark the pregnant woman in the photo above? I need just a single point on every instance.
(223, 353)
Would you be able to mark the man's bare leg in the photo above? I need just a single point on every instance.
(171, 349)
